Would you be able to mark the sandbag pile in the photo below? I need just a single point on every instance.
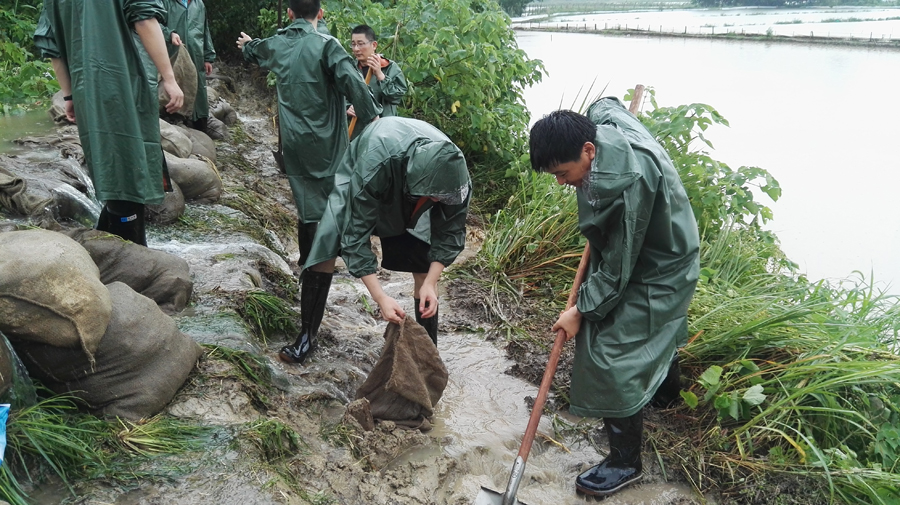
(107, 345)
(409, 378)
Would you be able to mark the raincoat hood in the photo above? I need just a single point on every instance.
(438, 169)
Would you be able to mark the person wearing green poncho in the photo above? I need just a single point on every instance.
(314, 74)
(187, 25)
(387, 80)
(406, 182)
(94, 50)
(631, 313)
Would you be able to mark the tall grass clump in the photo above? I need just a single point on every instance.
(51, 438)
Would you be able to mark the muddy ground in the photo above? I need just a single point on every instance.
(277, 432)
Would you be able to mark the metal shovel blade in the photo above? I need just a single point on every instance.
(490, 497)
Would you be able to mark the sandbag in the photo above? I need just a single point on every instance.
(197, 177)
(142, 361)
(170, 209)
(201, 143)
(57, 111)
(216, 129)
(50, 291)
(186, 77)
(174, 141)
(223, 111)
(408, 379)
(15, 197)
(160, 276)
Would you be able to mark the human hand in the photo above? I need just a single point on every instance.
(351, 111)
(176, 40)
(428, 300)
(176, 96)
(208, 67)
(243, 39)
(70, 111)
(374, 62)
(569, 321)
(390, 310)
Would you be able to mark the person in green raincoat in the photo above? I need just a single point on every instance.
(387, 80)
(631, 313)
(314, 75)
(187, 25)
(94, 49)
(406, 182)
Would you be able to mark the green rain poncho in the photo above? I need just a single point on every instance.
(116, 108)
(389, 92)
(393, 163)
(314, 75)
(644, 265)
(190, 24)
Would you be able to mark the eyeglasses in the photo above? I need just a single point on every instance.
(359, 44)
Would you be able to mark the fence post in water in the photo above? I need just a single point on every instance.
(685, 30)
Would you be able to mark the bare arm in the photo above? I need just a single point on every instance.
(152, 38)
(390, 309)
(61, 69)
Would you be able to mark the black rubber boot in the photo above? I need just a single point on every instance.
(430, 323)
(313, 295)
(306, 232)
(125, 219)
(670, 390)
(200, 124)
(623, 464)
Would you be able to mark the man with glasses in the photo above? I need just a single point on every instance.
(406, 182)
(387, 82)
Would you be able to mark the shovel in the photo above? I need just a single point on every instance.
(489, 497)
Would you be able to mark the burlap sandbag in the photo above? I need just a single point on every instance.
(174, 140)
(201, 143)
(57, 111)
(224, 112)
(160, 276)
(216, 129)
(170, 209)
(408, 379)
(186, 77)
(15, 197)
(142, 361)
(197, 177)
(50, 291)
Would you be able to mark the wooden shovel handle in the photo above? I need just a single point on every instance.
(353, 121)
(550, 371)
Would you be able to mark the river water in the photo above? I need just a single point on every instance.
(820, 119)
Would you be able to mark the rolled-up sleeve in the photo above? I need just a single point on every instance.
(139, 10)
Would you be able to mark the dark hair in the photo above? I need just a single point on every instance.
(305, 9)
(365, 30)
(558, 138)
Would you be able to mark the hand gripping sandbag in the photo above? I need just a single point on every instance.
(50, 291)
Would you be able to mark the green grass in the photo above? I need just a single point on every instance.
(268, 314)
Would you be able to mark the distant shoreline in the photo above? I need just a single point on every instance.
(795, 39)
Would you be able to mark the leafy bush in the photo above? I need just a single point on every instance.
(25, 80)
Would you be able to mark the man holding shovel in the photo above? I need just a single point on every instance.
(631, 311)
(385, 78)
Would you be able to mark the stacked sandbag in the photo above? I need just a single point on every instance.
(160, 276)
(142, 361)
(50, 292)
(171, 208)
(174, 140)
(201, 143)
(186, 77)
(197, 177)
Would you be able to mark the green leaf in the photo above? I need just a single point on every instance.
(754, 395)
(690, 399)
(710, 378)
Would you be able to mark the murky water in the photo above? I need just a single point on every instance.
(35, 122)
(818, 118)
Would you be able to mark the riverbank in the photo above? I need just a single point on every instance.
(618, 31)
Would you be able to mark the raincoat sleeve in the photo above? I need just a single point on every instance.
(139, 10)
(620, 203)
(448, 232)
(356, 250)
(258, 51)
(209, 52)
(393, 87)
(350, 83)
(45, 39)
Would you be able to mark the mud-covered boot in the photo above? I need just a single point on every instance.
(429, 323)
(623, 464)
(125, 219)
(670, 389)
(313, 295)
